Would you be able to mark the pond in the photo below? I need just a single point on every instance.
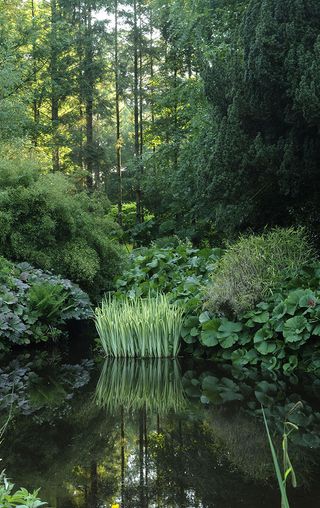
(152, 433)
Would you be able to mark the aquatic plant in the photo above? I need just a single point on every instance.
(134, 384)
(138, 327)
(287, 465)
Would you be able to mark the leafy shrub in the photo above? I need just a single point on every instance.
(21, 497)
(46, 220)
(254, 266)
(34, 304)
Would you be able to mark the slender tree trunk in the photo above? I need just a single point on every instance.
(118, 142)
(35, 107)
(54, 88)
(136, 113)
(151, 75)
(89, 83)
(175, 117)
(80, 50)
(140, 110)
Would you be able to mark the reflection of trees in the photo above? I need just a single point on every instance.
(74, 459)
(88, 456)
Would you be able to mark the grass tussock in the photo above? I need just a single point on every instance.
(134, 384)
(149, 327)
(254, 266)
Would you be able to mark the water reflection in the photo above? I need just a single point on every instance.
(152, 384)
(136, 434)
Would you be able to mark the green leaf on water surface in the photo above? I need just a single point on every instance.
(291, 365)
(316, 330)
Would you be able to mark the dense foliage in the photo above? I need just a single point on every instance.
(180, 272)
(34, 305)
(279, 325)
(205, 113)
(45, 220)
(139, 327)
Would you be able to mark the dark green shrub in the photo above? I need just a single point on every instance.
(254, 266)
(139, 234)
(46, 220)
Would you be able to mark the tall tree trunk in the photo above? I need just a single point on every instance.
(136, 111)
(151, 75)
(140, 110)
(80, 49)
(54, 88)
(89, 84)
(118, 142)
(35, 107)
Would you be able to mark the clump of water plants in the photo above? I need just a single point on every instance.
(139, 327)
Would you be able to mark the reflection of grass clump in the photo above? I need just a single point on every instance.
(134, 384)
(148, 327)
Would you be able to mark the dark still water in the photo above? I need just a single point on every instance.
(153, 433)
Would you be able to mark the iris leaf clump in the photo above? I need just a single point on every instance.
(139, 327)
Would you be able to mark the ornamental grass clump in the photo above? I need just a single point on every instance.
(149, 327)
(254, 266)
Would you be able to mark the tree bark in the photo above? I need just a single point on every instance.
(118, 125)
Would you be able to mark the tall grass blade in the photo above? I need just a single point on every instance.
(284, 498)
